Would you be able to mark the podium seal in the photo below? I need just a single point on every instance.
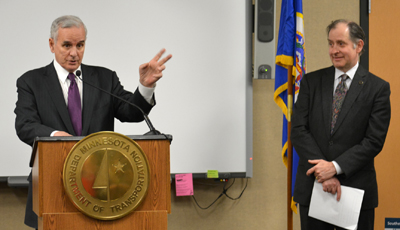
(106, 175)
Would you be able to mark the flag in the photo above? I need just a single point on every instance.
(290, 56)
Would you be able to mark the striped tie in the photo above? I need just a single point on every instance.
(338, 98)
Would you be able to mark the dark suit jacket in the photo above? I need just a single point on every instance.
(41, 107)
(358, 136)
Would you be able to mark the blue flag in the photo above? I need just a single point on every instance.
(290, 56)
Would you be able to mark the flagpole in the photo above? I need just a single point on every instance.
(289, 150)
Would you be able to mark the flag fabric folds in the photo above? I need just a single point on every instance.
(290, 56)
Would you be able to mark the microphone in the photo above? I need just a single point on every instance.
(152, 131)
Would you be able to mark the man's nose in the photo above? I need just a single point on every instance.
(334, 49)
(73, 52)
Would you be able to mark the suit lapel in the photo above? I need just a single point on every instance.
(54, 88)
(327, 83)
(355, 88)
(89, 98)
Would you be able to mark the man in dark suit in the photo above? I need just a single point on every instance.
(340, 122)
(43, 102)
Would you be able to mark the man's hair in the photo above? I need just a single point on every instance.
(355, 31)
(66, 21)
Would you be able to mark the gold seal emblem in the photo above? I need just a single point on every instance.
(106, 175)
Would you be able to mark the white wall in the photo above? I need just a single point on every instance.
(202, 98)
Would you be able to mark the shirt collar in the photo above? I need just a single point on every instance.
(63, 73)
(349, 73)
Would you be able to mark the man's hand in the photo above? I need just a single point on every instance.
(332, 186)
(151, 72)
(61, 134)
(323, 170)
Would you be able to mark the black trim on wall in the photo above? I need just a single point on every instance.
(364, 23)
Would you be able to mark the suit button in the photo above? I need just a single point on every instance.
(330, 143)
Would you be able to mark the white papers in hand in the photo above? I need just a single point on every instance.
(343, 213)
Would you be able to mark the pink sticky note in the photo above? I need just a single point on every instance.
(184, 184)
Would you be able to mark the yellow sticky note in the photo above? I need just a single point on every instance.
(212, 174)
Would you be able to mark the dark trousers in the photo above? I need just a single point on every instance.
(365, 221)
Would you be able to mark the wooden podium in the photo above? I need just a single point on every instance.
(56, 211)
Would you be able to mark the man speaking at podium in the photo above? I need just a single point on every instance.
(53, 100)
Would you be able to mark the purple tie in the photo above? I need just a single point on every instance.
(74, 105)
(338, 98)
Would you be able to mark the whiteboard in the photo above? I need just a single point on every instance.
(204, 99)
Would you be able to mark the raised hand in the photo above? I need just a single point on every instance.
(151, 72)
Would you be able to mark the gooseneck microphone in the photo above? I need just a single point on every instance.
(152, 131)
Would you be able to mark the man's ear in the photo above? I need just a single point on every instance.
(360, 46)
(51, 44)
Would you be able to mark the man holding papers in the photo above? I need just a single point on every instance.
(340, 122)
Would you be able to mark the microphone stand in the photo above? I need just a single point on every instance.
(152, 131)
